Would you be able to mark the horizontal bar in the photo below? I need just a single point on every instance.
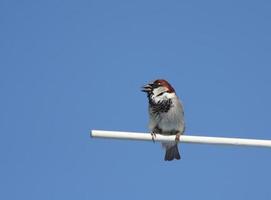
(183, 138)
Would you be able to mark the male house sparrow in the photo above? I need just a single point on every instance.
(166, 115)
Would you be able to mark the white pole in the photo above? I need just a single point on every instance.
(183, 138)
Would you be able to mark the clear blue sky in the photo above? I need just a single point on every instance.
(71, 66)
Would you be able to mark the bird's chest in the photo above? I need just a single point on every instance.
(167, 118)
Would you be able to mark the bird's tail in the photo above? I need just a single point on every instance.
(172, 152)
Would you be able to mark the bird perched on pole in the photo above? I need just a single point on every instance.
(166, 115)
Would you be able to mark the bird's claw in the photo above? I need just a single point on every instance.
(177, 138)
(153, 135)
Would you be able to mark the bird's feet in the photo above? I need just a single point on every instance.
(177, 138)
(153, 135)
(154, 131)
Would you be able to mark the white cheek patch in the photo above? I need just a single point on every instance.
(158, 98)
(157, 91)
(160, 94)
(169, 95)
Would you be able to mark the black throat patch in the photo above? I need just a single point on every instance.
(161, 106)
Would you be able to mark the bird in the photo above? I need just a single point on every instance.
(166, 115)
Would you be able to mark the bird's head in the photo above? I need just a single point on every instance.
(159, 89)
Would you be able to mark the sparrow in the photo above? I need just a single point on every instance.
(166, 115)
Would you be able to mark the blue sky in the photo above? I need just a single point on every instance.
(69, 67)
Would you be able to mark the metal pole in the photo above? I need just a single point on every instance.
(183, 138)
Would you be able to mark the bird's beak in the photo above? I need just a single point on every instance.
(147, 88)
